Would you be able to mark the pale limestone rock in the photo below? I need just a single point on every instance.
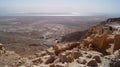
(37, 60)
(60, 65)
(117, 54)
(34, 66)
(81, 60)
(88, 55)
(74, 64)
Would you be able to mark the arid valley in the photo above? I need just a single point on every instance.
(78, 42)
(28, 35)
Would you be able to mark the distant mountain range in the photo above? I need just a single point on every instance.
(58, 14)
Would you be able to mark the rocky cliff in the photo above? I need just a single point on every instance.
(99, 48)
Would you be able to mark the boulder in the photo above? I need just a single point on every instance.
(35, 66)
(56, 49)
(65, 58)
(1, 46)
(97, 58)
(52, 65)
(88, 55)
(74, 64)
(92, 63)
(82, 60)
(2, 49)
(59, 66)
(117, 54)
(50, 59)
(70, 58)
(102, 42)
(115, 63)
(37, 61)
(72, 45)
(62, 58)
(117, 42)
(76, 54)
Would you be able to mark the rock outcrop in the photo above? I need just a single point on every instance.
(9, 58)
(2, 49)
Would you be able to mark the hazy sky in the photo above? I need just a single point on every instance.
(63, 7)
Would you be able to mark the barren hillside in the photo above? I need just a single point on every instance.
(99, 48)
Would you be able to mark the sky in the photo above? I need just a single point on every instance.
(59, 7)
